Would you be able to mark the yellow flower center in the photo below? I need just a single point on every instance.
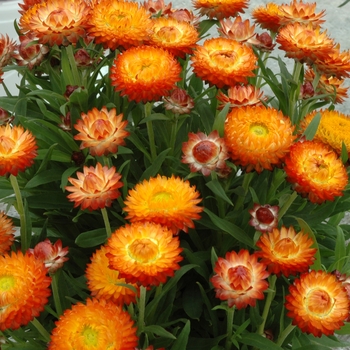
(318, 169)
(162, 197)
(6, 283)
(240, 278)
(259, 130)
(319, 302)
(223, 58)
(6, 145)
(285, 248)
(90, 336)
(143, 250)
(169, 34)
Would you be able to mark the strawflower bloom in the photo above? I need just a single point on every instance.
(7, 48)
(101, 131)
(7, 231)
(315, 171)
(95, 188)
(99, 325)
(240, 279)
(105, 283)
(157, 7)
(144, 253)
(223, 62)
(179, 101)
(17, 149)
(205, 153)
(268, 17)
(317, 303)
(264, 218)
(27, 4)
(220, 8)
(286, 252)
(258, 137)
(186, 16)
(169, 201)
(24, 289)
(145, 73)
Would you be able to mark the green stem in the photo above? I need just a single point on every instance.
(229, 327)
(25, 237)
(286, 205)
(173, 134)
(142, 307)
(106, 221)
(294, 95)
(150, 131)
(56, 296)
(270, 295)
(45, 334)
(283, 335)
(247, 178)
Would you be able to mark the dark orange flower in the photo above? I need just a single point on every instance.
(144, 253)
(98, 325)
(17, 149)
(145, 73)
(318, 303)
(223, 62)
(286, 252)
(268, 17)
(95, 188)
(315, 171)
(264, 218)
(27, 4)
(179, 101)
(24, 289)
(119, 24)
(205, 153)
(240, 279)
(106, 283)
(220, 8)
(258, 137)
(56, 21)
(178, 37)
(7, 231)
(171, 202)
(101, 131)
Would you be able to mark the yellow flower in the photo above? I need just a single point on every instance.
(258, 137)
(318, 303)
(220, 8)
(6, 233)
(144, 253)
(172, 202)
(98, 325)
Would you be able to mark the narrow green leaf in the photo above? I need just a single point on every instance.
(160, 331)
(154, 116)
(43, 177)
(156, 165)
(182, 340)
(344, 156)
(311, 129)
(220, 118)
(91, 238)
(340, 250)
(217, 189)
(259, 342)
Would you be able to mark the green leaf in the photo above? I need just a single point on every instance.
(182, 340)
(43, 177)
(344, 156)
(66, 174)
(156, 165)
(205, 25)
(311, 129)
(340, 250)
(192, 302)
(216, 188)
(160, 331)
(154, 116)
(91, 238)
(220, 118)
(259, 342)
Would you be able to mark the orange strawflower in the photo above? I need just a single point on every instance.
(105, 283)
(258, 137)
(171, 202)
(101, 131)
(27, 4)
(119, 24)
(179, 101)
(144, 252)
(178, 37)
(56, 21)
(98, 325)
(95, 188)
(24, 289)
(264, 218)
(7, 231)
(157, 7)
(315, 171)
(145, 73)
(223, 62)
(318, 303)
(240, 279)
(220, 8)
(268, 17)
(286, 252)
(17, 149)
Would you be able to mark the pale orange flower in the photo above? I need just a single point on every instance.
(17, 149)
(220, 8)
(144, 252)
(7, 48)
(317, 303)
(95, 188)
(223, 62)
(268, 17)
(264, 218)
(179, 101)
(186, 16)
(98, 325)
(7, 231)
(24, 289)
(145, 73)
(171, 202)
(119, 24)
(315, 171)
(158, 7)
(286, 252)
(240, 279)
(101, 131)
(106, 283)
(56, 21)
(258, 137)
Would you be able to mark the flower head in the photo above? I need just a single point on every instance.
(6, 233)
(7, 48)
(101, 131)
(186, 16)
(258, 137)
(240, 279)
(317, 303)
(268, 17)
(144, 253)
(145, 73)
(286, 252)
(205, 153)
(264, 217)
(220, 8)
(315, 171)
(179, 101)
(99, 325)
(157, 7)
(17, 149)
(106, 283)
(95, 188)
(171, 202)
(223, 62)
(24, 289)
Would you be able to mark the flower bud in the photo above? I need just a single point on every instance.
(179, 102)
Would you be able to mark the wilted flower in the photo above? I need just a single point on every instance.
(264, 217)
(70, 89)
(82, 58)
(5, 117)
(179, 101)
(264, 42)
(65, 122)
(6, 233)
(220, 8)
(306, 90)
